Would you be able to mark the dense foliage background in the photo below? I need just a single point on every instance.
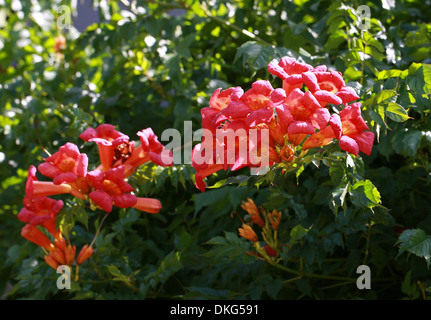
(156, 64)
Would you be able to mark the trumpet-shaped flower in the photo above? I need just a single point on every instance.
(35, 188)
(66, 165)
(111, 188)
(349, 128)
(290, 71)
(150, 149)
(107, 139)
(40, 210)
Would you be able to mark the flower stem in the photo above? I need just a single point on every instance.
(98, 230)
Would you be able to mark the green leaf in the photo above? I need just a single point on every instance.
(170, 264)
(274, 287)
(65, 220)
(419, 79)
(396, 112)
(255, 55)
(385, 96)
(392, 73)
(338, 196)
(407, 142)
(335, 40)
(364, 193)
(118, 276)
(183, 240)
(408, 287)
(416, 241)
(297, 233)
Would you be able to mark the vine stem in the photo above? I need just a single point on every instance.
(98, 229)
(300, 274)
(367, 246)
(312, 275)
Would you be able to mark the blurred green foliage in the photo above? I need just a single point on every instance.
(155, 64)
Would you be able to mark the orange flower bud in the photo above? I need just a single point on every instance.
(148, 205)
(274, 218)
(247, 232)
(253, 211)
(58, 255)
(70, 252)
(60, 243)
(85, 253)
(51, 262)
(33, 234)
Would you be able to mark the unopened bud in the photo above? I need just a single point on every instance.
(51, 262)
(58, 255)
(70, 252)
(274, 218)
(253, 211)
(85, 253)
(247, 232)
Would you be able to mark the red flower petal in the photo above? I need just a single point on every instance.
(236, 110)
(259, 116)
(351, 112)
(304, 127)
(202, 174)
(102, 199)
(347, 94)
(284, 117)
(277, 97)
(81, 165)
(48, 170)
(336, 125)
(320, 118)
(326, 96)
(319, 139)
(365, 141)
(350, 145)
(66, 177)
(220, 99)
(124, 200)
(310, 80)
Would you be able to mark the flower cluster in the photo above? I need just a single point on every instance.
(104, 187)
(296, 118)
(268, 222)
